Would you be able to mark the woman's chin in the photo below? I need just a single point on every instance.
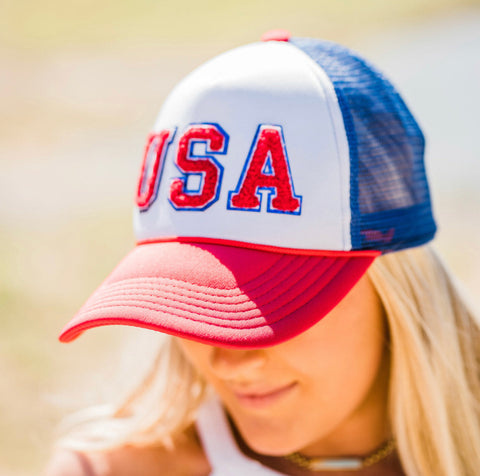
(271, 446)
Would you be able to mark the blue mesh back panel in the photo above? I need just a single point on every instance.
(390, 200)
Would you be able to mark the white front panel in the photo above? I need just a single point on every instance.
(275, 84)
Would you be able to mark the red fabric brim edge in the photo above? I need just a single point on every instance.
(221, 295)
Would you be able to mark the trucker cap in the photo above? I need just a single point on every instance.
(273, 177)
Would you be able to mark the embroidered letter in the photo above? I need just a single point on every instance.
(152, 166)
(202, 174)
(266, 168)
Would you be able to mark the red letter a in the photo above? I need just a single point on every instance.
(266, 168)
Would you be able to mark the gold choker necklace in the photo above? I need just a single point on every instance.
(341, 464)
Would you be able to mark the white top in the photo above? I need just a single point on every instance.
(219, 445)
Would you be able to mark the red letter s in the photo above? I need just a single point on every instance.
(184, 196)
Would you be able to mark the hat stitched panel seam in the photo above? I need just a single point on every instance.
(215, 293)
(100, 305)
(127, 289)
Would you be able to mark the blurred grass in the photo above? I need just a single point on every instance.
(67, 105)
(43, 280)
(55, 24)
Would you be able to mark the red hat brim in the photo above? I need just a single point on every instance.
(221, 295)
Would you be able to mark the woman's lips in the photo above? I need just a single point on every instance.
(263, 398)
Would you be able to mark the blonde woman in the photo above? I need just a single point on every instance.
(282, 218)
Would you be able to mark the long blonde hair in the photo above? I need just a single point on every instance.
(434, 377)
(435, 365)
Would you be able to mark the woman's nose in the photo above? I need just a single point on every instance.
(235, 363)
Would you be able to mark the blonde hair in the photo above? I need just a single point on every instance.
(434, 377)
(435, 365)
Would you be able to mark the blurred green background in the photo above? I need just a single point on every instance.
(80, 84)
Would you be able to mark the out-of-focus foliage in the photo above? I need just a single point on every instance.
(56, 24)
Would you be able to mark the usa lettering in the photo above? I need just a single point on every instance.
(152, 167)
(207, 168)
(265, 174)
(267, 169)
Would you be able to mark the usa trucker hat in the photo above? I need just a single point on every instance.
(273, 177)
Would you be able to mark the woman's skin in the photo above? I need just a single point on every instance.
(322, 393)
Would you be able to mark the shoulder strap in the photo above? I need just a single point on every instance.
(220, 448)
